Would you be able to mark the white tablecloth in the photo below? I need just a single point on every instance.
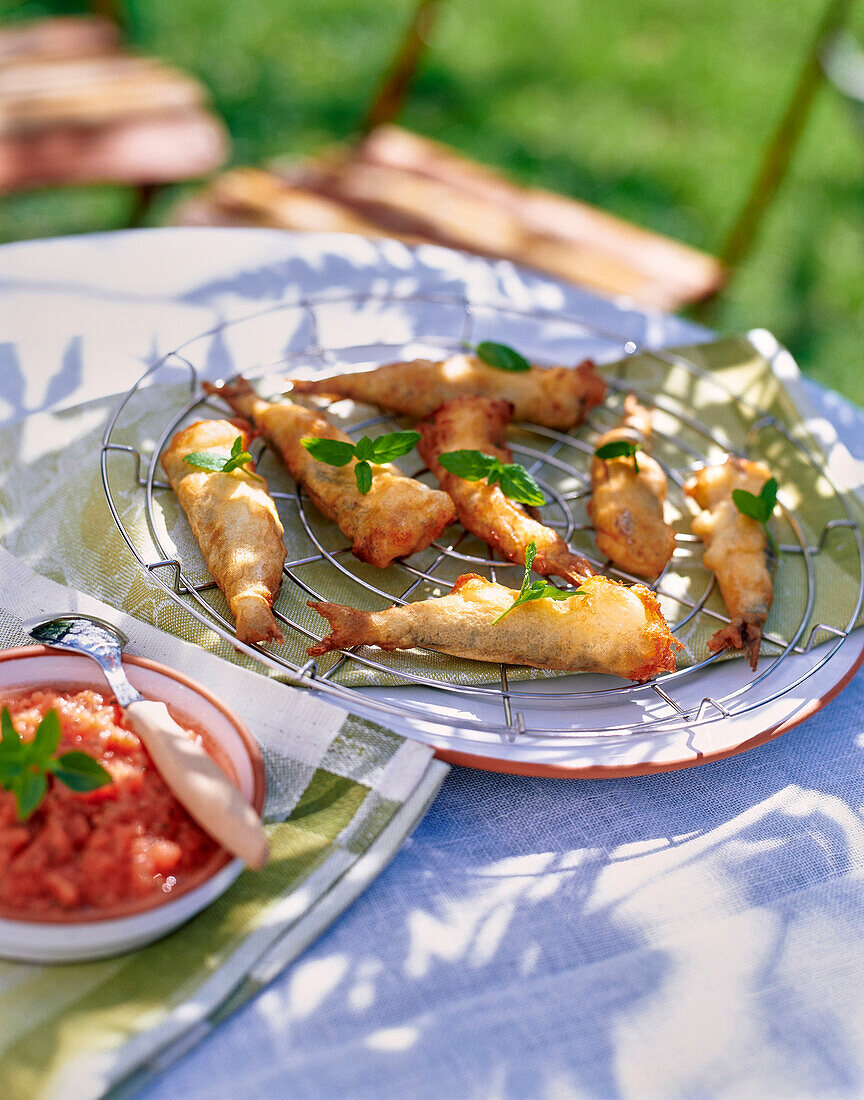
(698, 933)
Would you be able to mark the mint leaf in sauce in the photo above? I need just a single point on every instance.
(25, 765)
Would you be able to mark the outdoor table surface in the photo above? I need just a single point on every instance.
(695, 933)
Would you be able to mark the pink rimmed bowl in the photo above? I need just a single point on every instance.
(73, 936)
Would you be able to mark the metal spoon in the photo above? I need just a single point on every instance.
(193, 777)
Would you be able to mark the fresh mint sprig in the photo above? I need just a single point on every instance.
(539, 590)
(339, 452)
(26, 765)
(515, 481)
(500, 356)
(619, 448)
(222, 464)
(759, 508)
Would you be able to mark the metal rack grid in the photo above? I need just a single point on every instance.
(524, 712)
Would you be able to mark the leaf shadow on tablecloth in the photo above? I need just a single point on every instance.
(63, 383)
(694, 933)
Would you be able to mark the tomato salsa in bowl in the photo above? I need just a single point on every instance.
(92, 873)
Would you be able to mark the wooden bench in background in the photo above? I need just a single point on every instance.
(77, 108)
(395, 183)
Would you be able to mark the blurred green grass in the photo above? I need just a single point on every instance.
(656, 110)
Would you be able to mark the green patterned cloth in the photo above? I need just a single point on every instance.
(53, 515)
(342, 795)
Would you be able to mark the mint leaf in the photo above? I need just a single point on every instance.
(768, 493)
(501, 356)
(47, 738)
(29, 790)
(222, 464)
(10, 769)
(10, 746)
(364, 449)
(206, 460)
(518, 484)
(619, 448)
(760, 508)
(530, 555)
(334, 452)
(470, 465)
(339, 452)
(13, 752)
(79, 771)
(750, 505)
(539, 590)
(363, 476)
(240, 458)
(390, 446)
(25, 766)
(515, 480)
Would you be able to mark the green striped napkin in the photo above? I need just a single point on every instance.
(343, 794)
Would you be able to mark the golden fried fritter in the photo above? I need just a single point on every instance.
(736, 550)
(627, 506)
(558, 397)
(397, 517)
(478, 423)
(608, 628)
(236, 525)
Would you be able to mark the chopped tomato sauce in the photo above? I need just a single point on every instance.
(123, 846)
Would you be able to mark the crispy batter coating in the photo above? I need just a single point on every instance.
(626, 506)
(558, 397)
(236, 525)
(736, 550)
(610, 628)
(397, 517)
(478, 423)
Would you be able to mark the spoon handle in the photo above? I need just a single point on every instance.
(198, 783)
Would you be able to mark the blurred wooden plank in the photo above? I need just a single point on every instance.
(424, 208)
(75, 108)
(90, 91)
(70, 36)
(681, 274)
(152, 149)
(253, 197)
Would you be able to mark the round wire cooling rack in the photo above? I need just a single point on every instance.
(545, 705)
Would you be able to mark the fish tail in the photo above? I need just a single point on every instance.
(572, 567)
(348, 627)
(310, 385)
(744, 632)
(591, 384)
(637, 417)
(577, 569)
(255, 622)
(238, 394)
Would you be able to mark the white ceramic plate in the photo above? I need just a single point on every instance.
(602, 757)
